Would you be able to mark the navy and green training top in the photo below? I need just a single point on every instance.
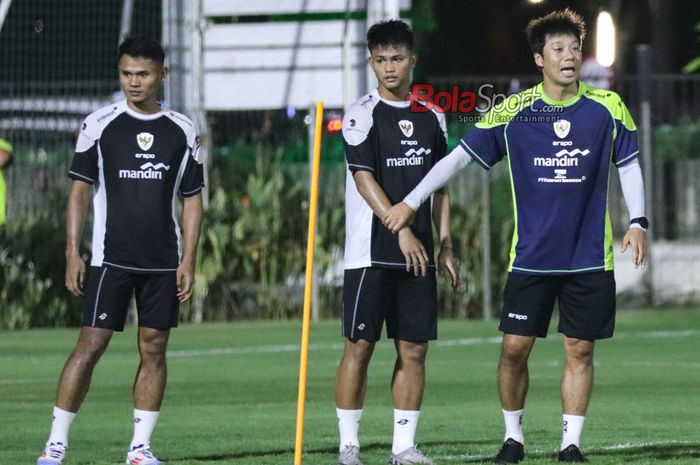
(559, 155)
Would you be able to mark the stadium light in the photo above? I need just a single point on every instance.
(535, 1)
(605, 39)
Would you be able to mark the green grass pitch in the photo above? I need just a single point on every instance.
(232, 390)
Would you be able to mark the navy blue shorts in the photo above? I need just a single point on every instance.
(586, 305)
(109, 291)
(407, 303)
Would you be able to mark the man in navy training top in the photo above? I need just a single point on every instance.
(134, 159)
(389, 278)
(562, 245)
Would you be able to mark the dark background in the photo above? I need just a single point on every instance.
(455, 37)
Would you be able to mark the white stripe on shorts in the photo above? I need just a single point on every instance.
(357, 300)
(97, 297)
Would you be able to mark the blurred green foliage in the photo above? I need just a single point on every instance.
(252, 250)
(678, 141)
(32, 291)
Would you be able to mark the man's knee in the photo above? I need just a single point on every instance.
(579, 351)
(152, 345)
(92, 343)
(412, 352)
(358, 352)
(516, 349)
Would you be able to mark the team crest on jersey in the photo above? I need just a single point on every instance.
(145, 140)
(562, 128)
(406, 127)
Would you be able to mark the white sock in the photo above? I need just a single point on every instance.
(514, 425)
(144, 422)
(349, 427)
(405, 423)
(62, 420)
(572, 426)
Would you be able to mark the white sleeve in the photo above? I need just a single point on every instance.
(438, 176)
(90, 131)
(357, 122)
(632, 185)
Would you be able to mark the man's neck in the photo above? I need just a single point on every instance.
(400, 94)
(559, 93)
(147, 108)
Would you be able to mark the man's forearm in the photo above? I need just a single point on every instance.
(438, 176)
(632, 185)
(76, 212)
(192, 211)
(373, 194)
(441, 216)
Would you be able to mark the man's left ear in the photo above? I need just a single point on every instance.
(163, 73)
(414, 60)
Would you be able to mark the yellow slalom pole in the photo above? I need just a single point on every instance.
(313, 206)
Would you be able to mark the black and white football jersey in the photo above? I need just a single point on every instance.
(398, 146)
(138, 165)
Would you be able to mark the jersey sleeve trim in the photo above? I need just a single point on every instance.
(474, 155)
(192, 193)
(627, 159)
(354, 167)
(80, 177)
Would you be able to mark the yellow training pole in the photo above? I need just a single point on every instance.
(313, 206)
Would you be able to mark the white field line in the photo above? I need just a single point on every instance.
(539, 451)
(630, 445)
(440, 343)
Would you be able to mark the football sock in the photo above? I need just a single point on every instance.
(572, 427)
(349, 427)
(144, 422)
(514, 425)
(405, 423)
(62, 420)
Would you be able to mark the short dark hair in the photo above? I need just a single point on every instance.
(142, 47)
(564, 21)
(389, 33)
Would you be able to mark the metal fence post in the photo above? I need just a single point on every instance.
(311, 121)
(644, 76)
(486, 244)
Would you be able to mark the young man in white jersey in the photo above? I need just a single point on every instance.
(132, 159)
(389, 278)
(562, 246)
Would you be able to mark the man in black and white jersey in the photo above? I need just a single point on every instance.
(134, 159)
(389, 277)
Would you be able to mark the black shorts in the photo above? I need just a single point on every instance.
(109, 291)
(407, 303)
(586, 305)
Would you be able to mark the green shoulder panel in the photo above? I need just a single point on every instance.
(502, 112)
(613, 103)
(5, 146)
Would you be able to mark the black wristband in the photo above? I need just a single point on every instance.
(641, 221)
